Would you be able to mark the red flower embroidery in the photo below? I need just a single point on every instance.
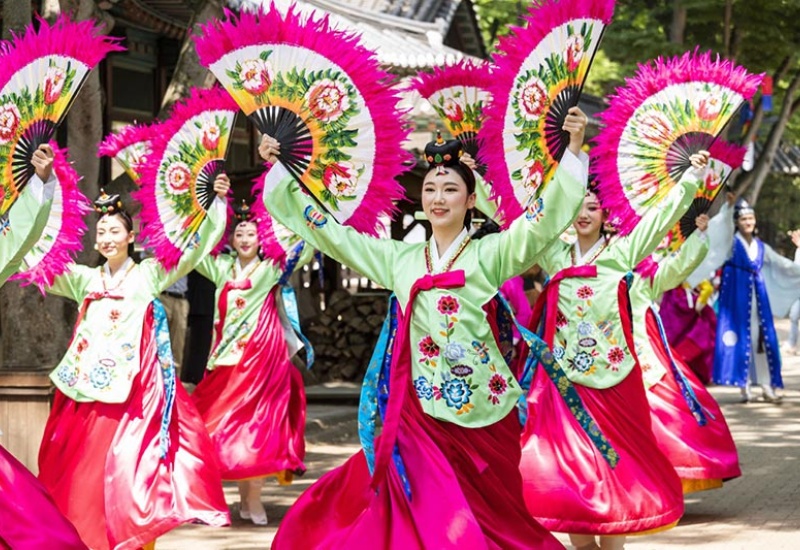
(615, 355)
(82, 345)
(428, 347)
(240, 302)
(114, 315)
(497, 387)
(561, 320)
(447, 305)
(585, 292)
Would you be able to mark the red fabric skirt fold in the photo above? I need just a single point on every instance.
(466, 492)
(255, 411)
(568, 485)
(29, 519)
(101, 463)
(697, 452)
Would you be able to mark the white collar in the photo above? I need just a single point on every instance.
(240, 270)
(437, 261)
(120, 272)
(580, 259)
(751, 248)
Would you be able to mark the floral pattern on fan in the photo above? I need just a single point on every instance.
(130, 147)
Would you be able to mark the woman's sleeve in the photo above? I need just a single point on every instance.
(515, 250)
(73, 283)
(659, 219)
(214, 269)
(209, 234)
(372, 257)
(26, 220)
(674, 269)
(720, 242)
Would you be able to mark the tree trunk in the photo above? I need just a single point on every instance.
(16, 16)
(678, 27)
(765, 160)
(188, 72)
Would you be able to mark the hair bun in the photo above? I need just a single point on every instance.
(107, 204)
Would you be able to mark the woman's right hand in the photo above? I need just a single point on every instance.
(269, 149)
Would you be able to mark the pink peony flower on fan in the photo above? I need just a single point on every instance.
(211, 135)
(665, 242)
(709, 107)
(453, 110)
(340, 178)
(574, 51)
(54, 80)
(713, 180)
(9, 122)
(655, 128)
(327, 100)
(256, 76)
(533, 99)
(532, 175)
(178, 177)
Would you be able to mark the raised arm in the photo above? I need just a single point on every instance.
(73, 283)
(209, 234)
(517, 249)
(674, 269)
(28, 216)
(217, 270)
(658, 220)
(287, 203)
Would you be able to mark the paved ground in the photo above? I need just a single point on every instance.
(760, 510)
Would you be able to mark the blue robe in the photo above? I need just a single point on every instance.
(734, 356)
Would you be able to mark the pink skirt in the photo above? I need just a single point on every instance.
(101, 462)
(570, 487)
(255, 411)
(29, 519)
(703, 456)
(466, 492)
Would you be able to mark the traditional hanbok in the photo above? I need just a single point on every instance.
(687, 422)
(125, 454)
(571, 483)
(29, 520)
(757, 283)
(252, 398)
(445, 470)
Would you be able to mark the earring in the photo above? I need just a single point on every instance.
(96, 247)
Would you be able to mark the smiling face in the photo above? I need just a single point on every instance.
(590, 219)
(245, 241)
(446, 200)
(746, 224)
(113, 237)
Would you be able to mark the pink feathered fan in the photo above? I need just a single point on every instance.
(130, 147)
(321, 94)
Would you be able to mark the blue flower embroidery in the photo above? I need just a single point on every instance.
(314, 218)
(585, 328)
(68, 375)
(582, 361)
(100, 377)
(558, 353)
(534, 210)
(456, 392)
(423, 388)
(482, 350)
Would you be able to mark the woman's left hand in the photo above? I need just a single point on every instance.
(222, 185)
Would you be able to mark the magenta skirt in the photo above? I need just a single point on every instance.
(703, 456)
(101, 462)
(570, 487)
(255, 411)
(29, 519)
(466, 492)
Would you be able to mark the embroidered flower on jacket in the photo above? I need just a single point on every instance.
(456, 392)
(615, 355)
(584, 292)
(68, 375)
(448, 305)
(100, 377)
(497, 387)
(423, 388)
(561, 320)
(240, 302)
(114, 315)
(461, 371)
(482, 350)
(558, 352)
(83, 344)
(583, 362)
(428, 347)
(454, 351)
(585, 328)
